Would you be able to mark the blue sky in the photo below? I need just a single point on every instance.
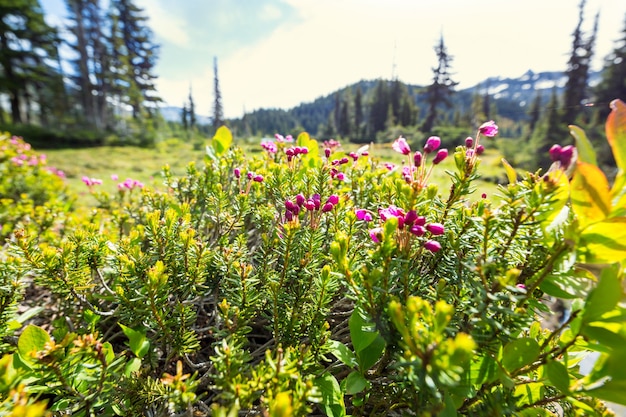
(278, 53)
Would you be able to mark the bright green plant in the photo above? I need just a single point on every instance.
(308, 280)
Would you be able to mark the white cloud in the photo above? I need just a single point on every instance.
(166, 26)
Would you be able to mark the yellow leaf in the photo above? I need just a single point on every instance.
(603, 242)
(591, 200)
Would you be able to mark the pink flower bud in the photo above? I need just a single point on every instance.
(400, 145)
(417, 158)
(435, 228)
(333, 199)
(417, 230)
(410, 217)
(441, 155)
(421, 220)
(309, 205)
(289, 152)
(289, 216)
(432, 144)
(340, 176)
(566, 155)
(555, 152)
(364, 215)
(327, 207)
(258, 178)
(327, 152)
(250, 175)
(353, 155)
(480, 149)
(489, 129)
(469, 142)
(376, 234)
(432, 245)
(290, 205)
(300, 199)
(304, 150)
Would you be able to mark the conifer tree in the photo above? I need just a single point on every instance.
(218, 111)
(184, 117)
(378, 108)
(191, 111)
(578, 69)
(548, 132)
(534, 113)
(440, 91)
(358, 114)
(27, 43)
(613, 82)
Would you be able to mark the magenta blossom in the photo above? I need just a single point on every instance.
(432, 144)
(269, 146)
(417, 159)
(469, 142)
(91, 181)
(441, 155)
(364, 215)
(327, 207)
(435, 228)
(432, 245)
(489, 129)
(333, 199)
(400, 145)
(376, 234)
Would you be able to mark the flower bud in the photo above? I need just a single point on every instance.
(566, 155)
(333, 199)
(258, 178)
(469, 142)
(417, 230)
(435, 228)
(310, 205)
(410, 217)
(290, 205)
(376, 234)
(432, 144)
(362, 214)
(327, 152)
(300, 199)
(237, 173)
(327, 207)
(432, 245)
(555, 152)
(480, 149)
(417, 158)
(441, 155)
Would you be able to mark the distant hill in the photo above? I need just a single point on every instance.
(511, 97)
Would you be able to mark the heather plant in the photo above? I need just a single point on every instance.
(306, 280)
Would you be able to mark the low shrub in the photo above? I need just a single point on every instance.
(309, 281)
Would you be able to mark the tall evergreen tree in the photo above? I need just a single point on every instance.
(378, 108)
(136, 56)
(89, 70)
(218, 110)
(184, 117)
(27, 43)
(358, 114)
(534, 113)
(191, 110)
(549, 130)
(613, 82)
(440, 91)
(578, 69)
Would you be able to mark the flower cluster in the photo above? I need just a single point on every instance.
(251, 176)
(90, 182)
(312, 204)
(129, 184)
(563, 155)
(415, 172)
(474, 148)
(283, 139)
(269, 146)
(409, 223)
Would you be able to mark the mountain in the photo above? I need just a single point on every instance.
(174, 114)
(511, 97)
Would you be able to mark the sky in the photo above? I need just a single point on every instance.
(280, 53)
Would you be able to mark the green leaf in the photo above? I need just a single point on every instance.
(222, 140)
(519, 352)
(616, 134)
(367, 342)
(529, 393)
(591, 200)
(355, 383)
(511, 174)
(342, 352)
(311, 159)
(603, 242)
(137, 341)
(605, 296)
(558, 375)
(132, 366)
(32, 340)
(332, 397)
(584, 148)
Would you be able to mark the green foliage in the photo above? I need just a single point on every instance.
(271, 284)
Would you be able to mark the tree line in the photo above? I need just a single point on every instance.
(108, 85)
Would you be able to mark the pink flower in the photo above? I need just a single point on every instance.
(364, 215)
(258, 178)
(327, 207)
(376, 234)
(389, 166)
(480, 149)
(489, 129)
(114, 177)
(327, 152)
(237, 173)
(300, 200)
(435, 228)
(417, 158)
(432, 144)
(417, 230)
(340, 176)
(333, 199)
(469, 142)
(432, 245)
(269, 146)
(441, 155)
(400, 145)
